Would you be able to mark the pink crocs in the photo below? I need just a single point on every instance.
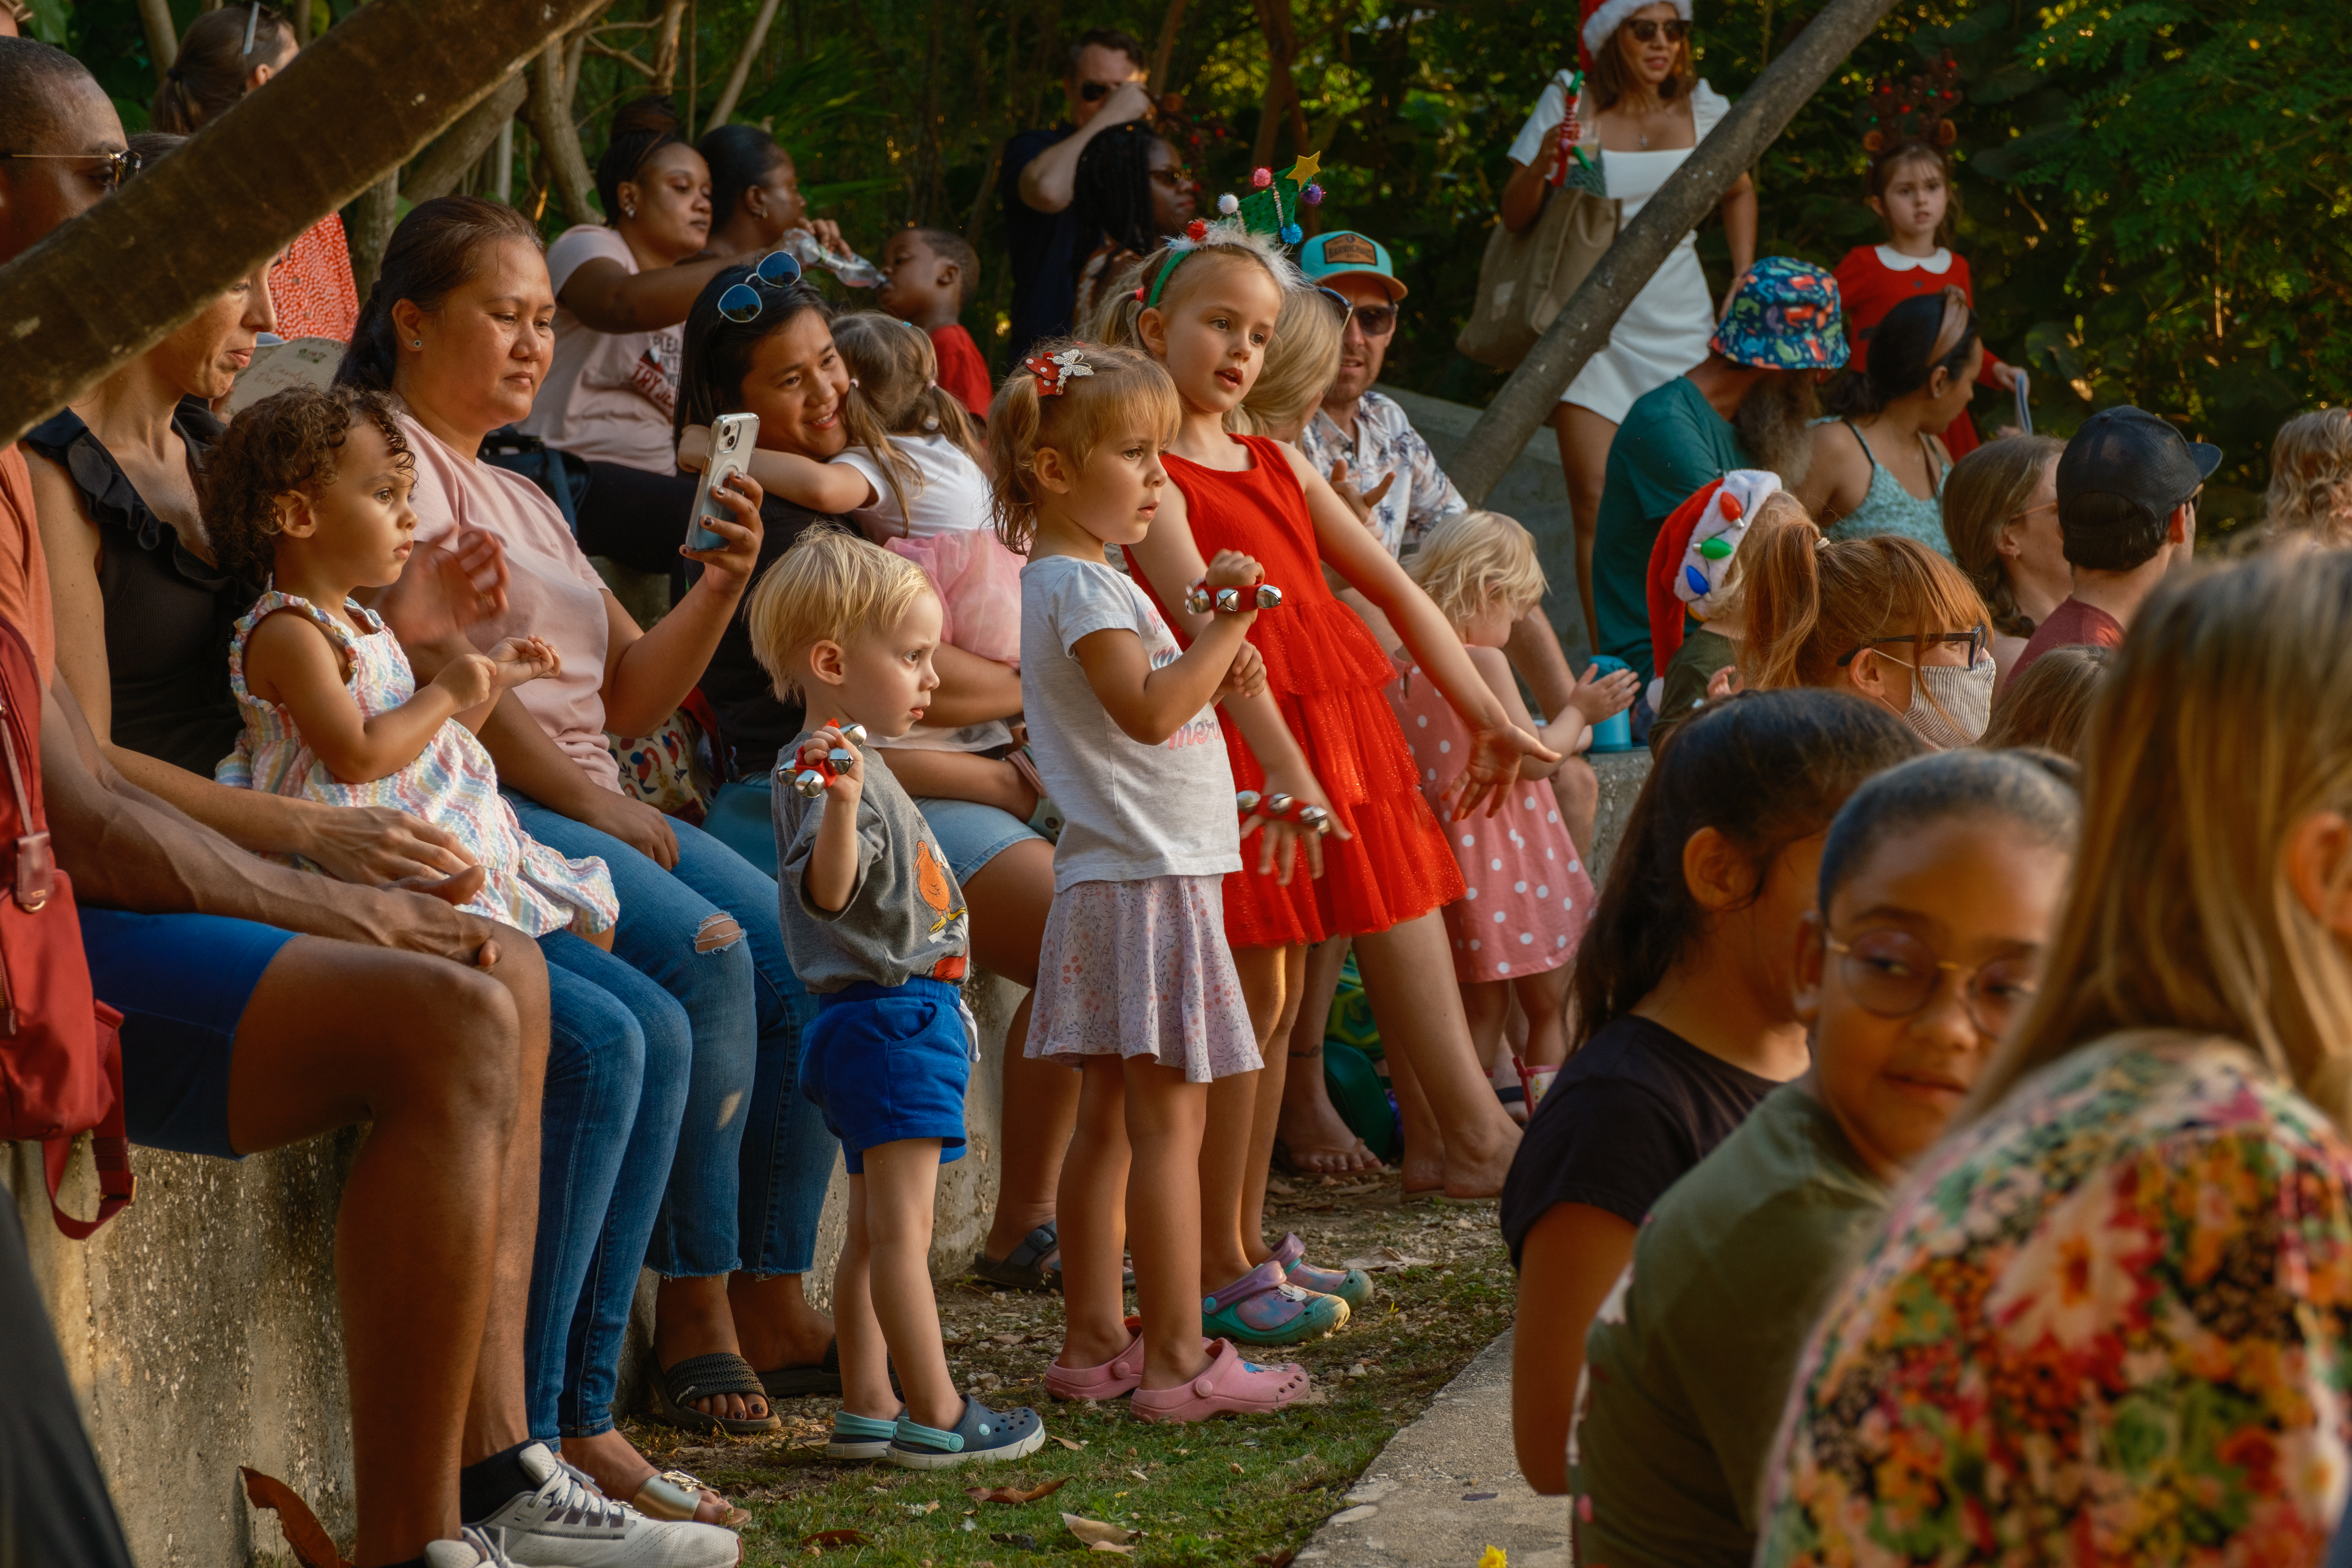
(1108, 1381)
(1227, 1386)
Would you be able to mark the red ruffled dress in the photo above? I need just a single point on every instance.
(1329, 676)
(1868, 289)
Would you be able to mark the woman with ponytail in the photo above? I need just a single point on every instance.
(622, 288)
(1879, 464)
(224, 55)
(1884, 618)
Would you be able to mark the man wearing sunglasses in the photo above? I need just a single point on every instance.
(1106, 88)
(2127, 487)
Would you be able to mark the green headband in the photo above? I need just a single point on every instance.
(1262, 212)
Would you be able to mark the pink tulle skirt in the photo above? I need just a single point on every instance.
(979, 581)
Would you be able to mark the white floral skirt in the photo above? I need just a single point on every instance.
(1137, 969)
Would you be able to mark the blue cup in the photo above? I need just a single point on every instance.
(1614, 733)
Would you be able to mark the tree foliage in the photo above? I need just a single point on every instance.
(2153, 190)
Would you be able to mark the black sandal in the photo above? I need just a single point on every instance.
(700, 1377)
(800, 1382)
(1023, 1267)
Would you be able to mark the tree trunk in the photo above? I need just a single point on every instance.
(1281, 89)
(1582, 328)
(368, 223)
(502, 162)
(666, 47)
(549, 109)
(752, 44)
(156, 252)
(1171, 23)
(162, 41)
(461, 146)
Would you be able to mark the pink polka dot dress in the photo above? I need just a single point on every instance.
(1529, 896)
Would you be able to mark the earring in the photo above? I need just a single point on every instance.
(416, 342)
(628, 211)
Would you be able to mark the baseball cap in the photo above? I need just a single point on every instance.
(1343, 251)
(2138, 458)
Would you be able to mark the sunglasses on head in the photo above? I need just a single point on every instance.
(120, 166)
(1647, 31)
(742, 303)
(1975, 638)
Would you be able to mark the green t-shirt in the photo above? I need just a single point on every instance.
(1689, 1360)
(1672, 442)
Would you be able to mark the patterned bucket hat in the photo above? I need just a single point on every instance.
(1784, 316)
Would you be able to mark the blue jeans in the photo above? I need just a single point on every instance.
(753, 1156)
(618, 1054)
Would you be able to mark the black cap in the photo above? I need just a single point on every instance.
(2131, 455)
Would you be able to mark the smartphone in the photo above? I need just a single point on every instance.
(732, 437)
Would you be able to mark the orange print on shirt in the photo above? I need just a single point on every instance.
(932, 880)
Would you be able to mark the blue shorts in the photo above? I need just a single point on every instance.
(181, 982)
(888, 1062)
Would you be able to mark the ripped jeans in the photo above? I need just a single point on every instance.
(748, 1179)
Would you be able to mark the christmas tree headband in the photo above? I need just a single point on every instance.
(1913, 108)
(1270, 211)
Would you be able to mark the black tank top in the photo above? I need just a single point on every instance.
(169, 615)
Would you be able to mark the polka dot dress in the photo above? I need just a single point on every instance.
(1529, 896)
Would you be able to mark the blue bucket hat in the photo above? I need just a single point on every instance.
(1785, 315)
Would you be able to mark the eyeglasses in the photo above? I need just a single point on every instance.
(742, 303)
(120, 166)
(1894, 975)
(1175, 179)
(1647, 32)
(1975, 637)
(2034, 511)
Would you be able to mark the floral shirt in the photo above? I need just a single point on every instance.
(1386, 443)
(2109, 1324)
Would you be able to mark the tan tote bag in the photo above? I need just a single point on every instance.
(1526, 279)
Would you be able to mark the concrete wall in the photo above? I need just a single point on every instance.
(200, 1328)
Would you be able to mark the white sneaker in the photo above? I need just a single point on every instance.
(565, 1525)
(471, 1550)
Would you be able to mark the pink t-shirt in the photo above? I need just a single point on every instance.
(551, 592)
(608, 396)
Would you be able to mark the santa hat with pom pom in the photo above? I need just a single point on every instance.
(1693, 565)
(1602, 17)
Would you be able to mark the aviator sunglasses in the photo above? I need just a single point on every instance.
(1647, 32)
(120, 166)
(742, 303)
(1378, 320)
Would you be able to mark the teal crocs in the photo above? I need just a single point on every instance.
(860, 1437)
(1353, 1286)
(1261, 1309)
(980, 1434)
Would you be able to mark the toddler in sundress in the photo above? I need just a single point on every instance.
(1136, 986)
(309, 492)
(1526, 895)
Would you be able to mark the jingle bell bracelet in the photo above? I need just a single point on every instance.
(1314, 820)
(1201, 599)
(812, 780)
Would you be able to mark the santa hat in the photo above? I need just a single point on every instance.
(1602, 17)
(1690, 563)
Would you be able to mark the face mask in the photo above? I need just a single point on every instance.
(1964, 697)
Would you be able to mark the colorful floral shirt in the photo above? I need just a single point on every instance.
(1386, 443)
(2109, 1324)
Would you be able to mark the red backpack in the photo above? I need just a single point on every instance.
(60, 1056)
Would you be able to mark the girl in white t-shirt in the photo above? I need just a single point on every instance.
(1140, 993)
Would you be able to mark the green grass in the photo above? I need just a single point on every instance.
(1236, 1491)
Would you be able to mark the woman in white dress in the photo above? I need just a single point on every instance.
(1642, 111)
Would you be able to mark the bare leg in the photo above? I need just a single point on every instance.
(774, 1322)
(1232, 1132)
(1311, 1132)
(1584, 439)
(1577, 788)
(1424, 1141)
(336, 1035)
(1544, 998)
(1484, 1004)
(1165, 1118)
(891, 1206)
(1010, 898)
(1267, 1114)
(1094, 1219)
(695, 1311)
(1409, 975)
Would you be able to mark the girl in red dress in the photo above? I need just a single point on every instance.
(1207, 312)
(1911, 191)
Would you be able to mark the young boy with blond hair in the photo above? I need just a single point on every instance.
(876, 928)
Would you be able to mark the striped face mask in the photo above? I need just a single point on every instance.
(1961, 705)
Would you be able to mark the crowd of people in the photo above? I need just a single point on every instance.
(1928, 1142)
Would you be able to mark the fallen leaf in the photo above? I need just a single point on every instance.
(1267, 1558)
(825, 1538)
(1014, 1494)
(1067, 1443)
(1140, 1475)
(1008, 1339)
(920, 1509)
(1388, 1258)
(314, 1547)
(1237, 1470)
(1098, 1536)
(1280, 1188)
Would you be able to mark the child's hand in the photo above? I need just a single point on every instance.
(525, 659)
(469, 678)
(1279, 846)
(1231, 568)
(1361, 503)
(1493, 770)
(1599, 696)
(1723, 683)
(729, 567)
(1245, 677)
(694, 448)
(848, 783)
